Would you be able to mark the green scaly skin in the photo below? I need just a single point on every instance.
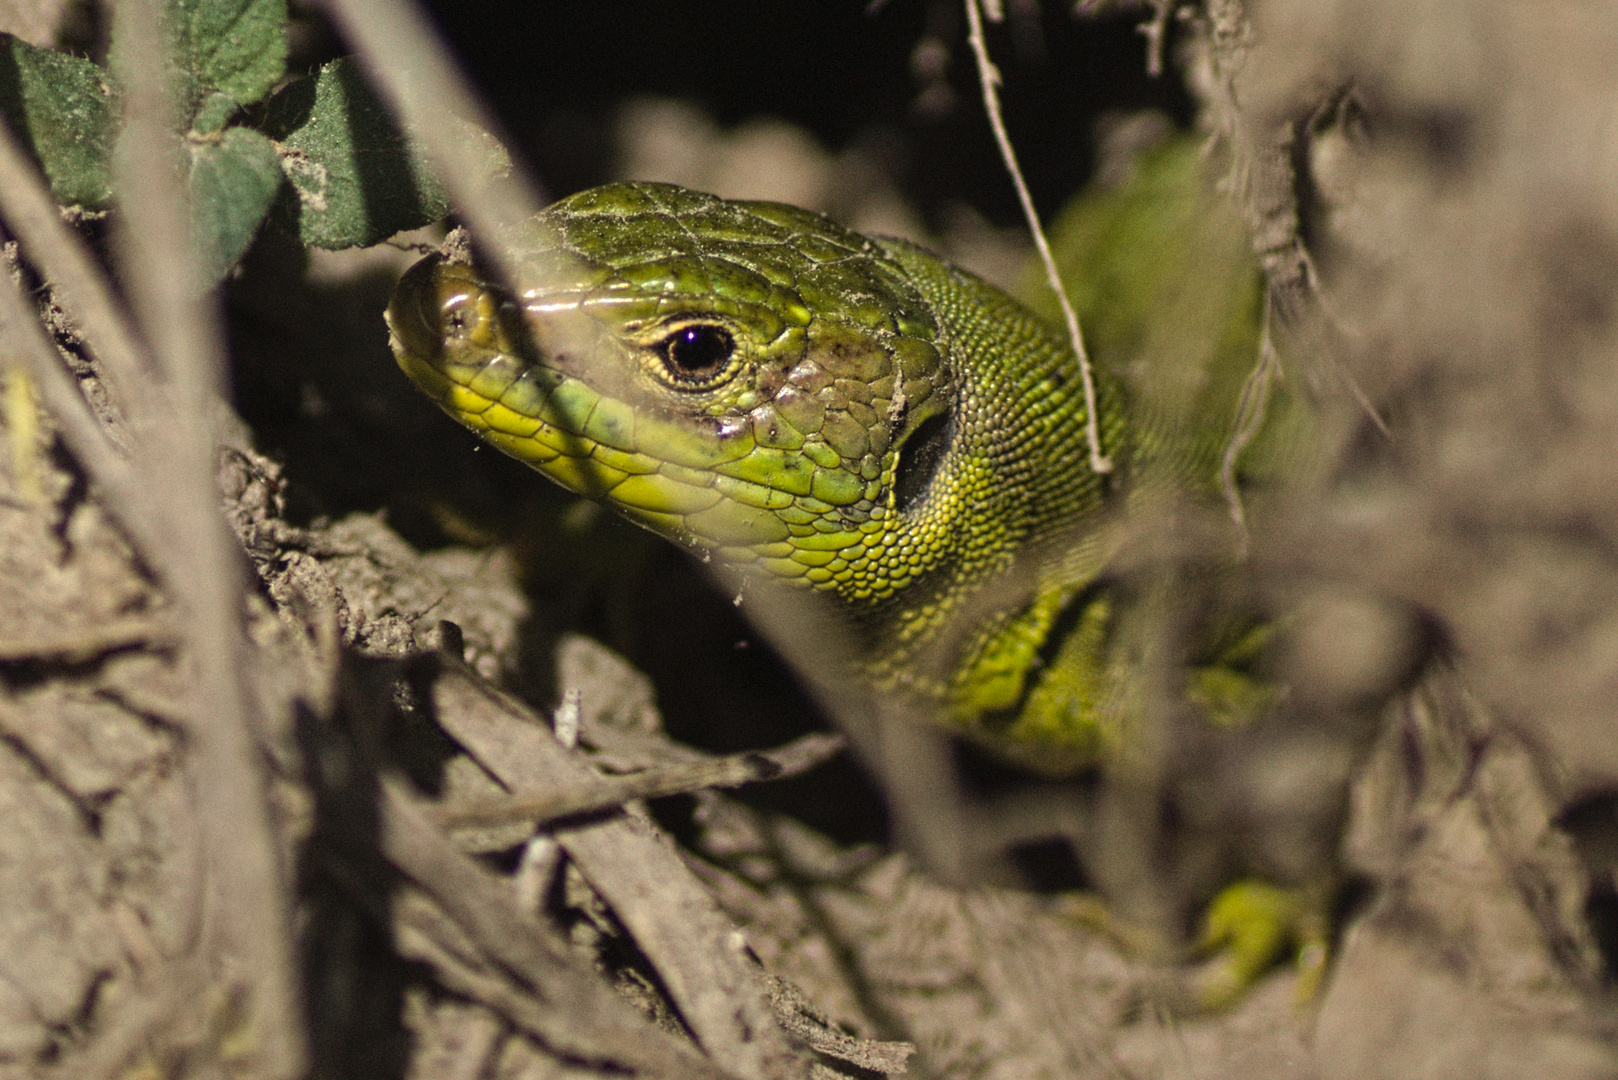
(785, 457)
(851, 415)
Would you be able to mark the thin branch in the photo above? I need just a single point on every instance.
(198, 557)
(1250, 412)
(989, 79)
(607, 792)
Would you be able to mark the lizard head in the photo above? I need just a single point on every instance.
(747, 378)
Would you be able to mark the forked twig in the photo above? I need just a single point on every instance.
(676, 923)
(1251, 408)
(1155, 30)
(570, 1009)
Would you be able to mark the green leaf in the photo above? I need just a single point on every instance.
(356, 178)
(233, 183)
(61, 107)
(214, 113)
(238, 46)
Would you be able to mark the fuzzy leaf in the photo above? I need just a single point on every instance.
(61, 107)
(233, 183)
(214, 113)
(237, 46)
(356, 178)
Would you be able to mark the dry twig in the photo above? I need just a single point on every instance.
(676, 923)
(606, 792)
(989, 79)
(569, 1009)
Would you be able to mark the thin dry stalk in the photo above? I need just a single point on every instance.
(989, 79)
(607, 792)
(199, 558)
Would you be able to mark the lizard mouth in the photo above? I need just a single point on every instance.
(516, 378)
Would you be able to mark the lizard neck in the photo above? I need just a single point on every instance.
(1013, 502)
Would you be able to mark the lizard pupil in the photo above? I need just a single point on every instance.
(698, 352)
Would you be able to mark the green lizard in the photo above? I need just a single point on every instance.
(861, 419)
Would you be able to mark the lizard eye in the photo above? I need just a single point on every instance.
(695, 356)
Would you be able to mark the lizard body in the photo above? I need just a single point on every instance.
(859, 418)
(851, 415)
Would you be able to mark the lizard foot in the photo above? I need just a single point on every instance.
(1248, 927)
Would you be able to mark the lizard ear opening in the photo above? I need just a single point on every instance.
(918, 461)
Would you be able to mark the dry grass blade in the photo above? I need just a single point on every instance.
(195, 553)
(607, 792)
(674, 920)
(577, 1015)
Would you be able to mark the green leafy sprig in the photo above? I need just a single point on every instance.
(318, 155)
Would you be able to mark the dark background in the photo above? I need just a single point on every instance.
(555, 72)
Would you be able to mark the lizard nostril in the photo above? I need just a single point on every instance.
(458, 314)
